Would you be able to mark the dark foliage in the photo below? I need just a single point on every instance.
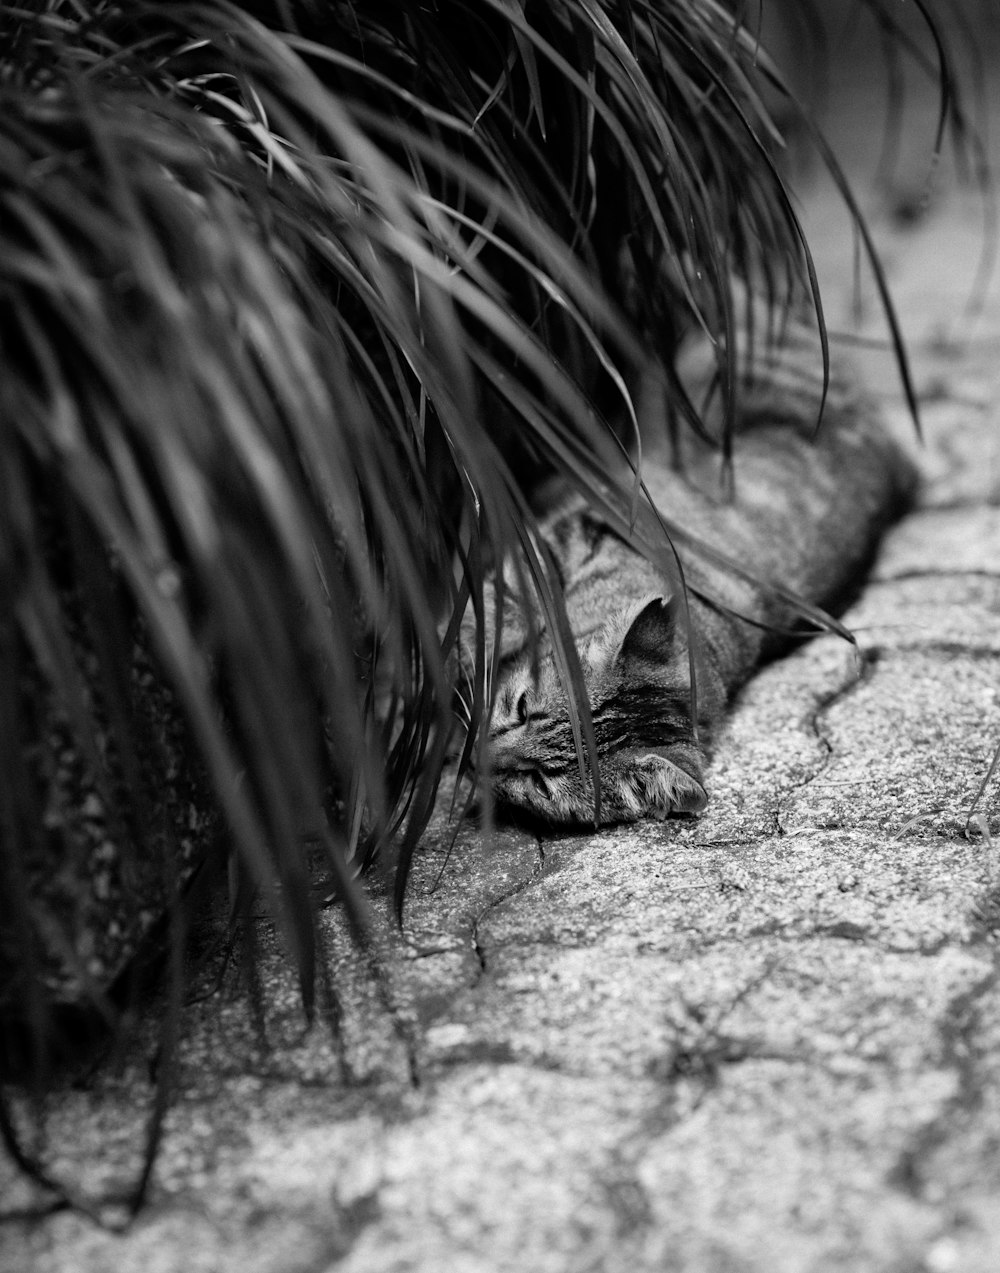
(296, 301)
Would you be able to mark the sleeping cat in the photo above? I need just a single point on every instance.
(806, 513)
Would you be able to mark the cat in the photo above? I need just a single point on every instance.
(809, 502)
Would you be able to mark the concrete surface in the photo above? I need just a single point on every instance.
(765, 1041)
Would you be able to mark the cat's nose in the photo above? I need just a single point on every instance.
(493, 755)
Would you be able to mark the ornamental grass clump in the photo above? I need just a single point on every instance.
(297, 302)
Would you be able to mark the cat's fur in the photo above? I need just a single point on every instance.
(806, 514)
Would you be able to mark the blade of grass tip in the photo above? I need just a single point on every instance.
(584, 460)
(249, 959)
(565, 269)
(146, 252)
(271, 700)
(983, 828)
(665, 557)
(282, 778)
(522, 344)
(335, 855)
(973, 59)
(902, 35)
(985, 783)
(307, 91)
(795, 226)
(668, 561)
(917, 818)
(185, 671)
(775, 628)
(900, 354)
(894, 35)
(679, 183)
(611, 117)
(966, 136)
(406, 577)
(282, 509)
(456, 823)
(470, 561)
(526, 53)
(64, 1198)
(384, 83)
(945, 78)
(579, 188)
(422, 807)
(885, 164)
(989, 251)
(166, 1057)
(813, 613)
(548, 286)
(542, 569)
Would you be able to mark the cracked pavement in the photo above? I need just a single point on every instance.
(767, 1040)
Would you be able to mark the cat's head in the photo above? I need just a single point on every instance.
(637, 680)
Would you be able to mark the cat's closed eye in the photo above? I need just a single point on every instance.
(521, 709)
(540, 783)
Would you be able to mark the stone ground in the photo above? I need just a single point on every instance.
(764, 1042)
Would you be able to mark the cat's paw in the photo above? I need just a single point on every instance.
(663, 787)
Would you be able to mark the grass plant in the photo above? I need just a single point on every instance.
(297, 299)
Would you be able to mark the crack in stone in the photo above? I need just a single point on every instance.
(520, 886)
(957, 1032)
(868, 658)
(932, 573)
(949, 649)
(798, 933)
(400, 1012)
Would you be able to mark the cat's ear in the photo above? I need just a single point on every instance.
(665, 787)
(650, 633)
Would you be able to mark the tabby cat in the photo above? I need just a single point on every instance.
(805, 512)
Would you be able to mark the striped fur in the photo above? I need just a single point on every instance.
(806, 513)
